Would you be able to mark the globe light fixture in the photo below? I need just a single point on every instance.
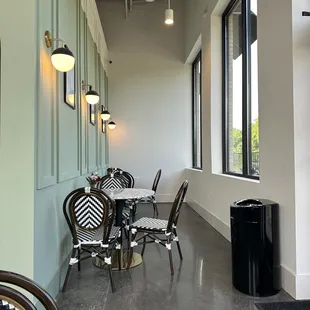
(111, 125)
(92, 97)
(62, 58)
(105, 114)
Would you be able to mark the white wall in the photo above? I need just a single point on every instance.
(301, 54)
(149, 94)
(210, 192)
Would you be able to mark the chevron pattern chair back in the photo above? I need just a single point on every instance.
(89, 209)
(126, 177)
(111, 182)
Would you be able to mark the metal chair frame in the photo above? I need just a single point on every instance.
(170, 232)
(18, 299)
(103, 250)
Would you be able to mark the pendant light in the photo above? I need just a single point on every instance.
(105, 114)
(169, 15)
(62, 58)
(92, 97)
(111, 125)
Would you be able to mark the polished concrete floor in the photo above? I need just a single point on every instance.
(201, 281)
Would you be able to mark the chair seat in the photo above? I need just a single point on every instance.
(148, 223)
(95, 236)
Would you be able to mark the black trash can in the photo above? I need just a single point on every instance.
(255, 247)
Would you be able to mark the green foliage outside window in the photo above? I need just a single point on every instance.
(237, 147)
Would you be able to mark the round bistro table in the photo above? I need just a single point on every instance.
(120, 196)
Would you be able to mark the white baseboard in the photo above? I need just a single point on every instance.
(303, 286)
(164, 198)
(289, 279)
(213, 220)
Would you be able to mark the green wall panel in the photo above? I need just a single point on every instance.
(68, 146)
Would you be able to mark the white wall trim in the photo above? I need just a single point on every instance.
(195, 50)
(164, 198)
(302, 286)
(213, 220)
(96, 30)
(289, 278)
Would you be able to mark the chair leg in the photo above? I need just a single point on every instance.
(111, 278)
(144, 245)
(130, 239)
(125, 231)
(119, 254)
(168, 245)
(155, 208)
(134, 211)
(68, 271)
(109, 254)
(178, 245)
(79, 263)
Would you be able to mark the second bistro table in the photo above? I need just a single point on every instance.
(120, 196)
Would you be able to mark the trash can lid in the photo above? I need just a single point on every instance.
(248, 203)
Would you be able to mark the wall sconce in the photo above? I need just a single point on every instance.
(105, 114)
(92, 97)
(62, 58)
(111, 125)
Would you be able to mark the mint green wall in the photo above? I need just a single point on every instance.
(68, 146)
(18, 43)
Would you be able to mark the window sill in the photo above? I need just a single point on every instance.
(194, 169)
(240, 178)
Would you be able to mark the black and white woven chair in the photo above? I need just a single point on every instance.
(113, 182)
(127, 177)
(152, 228)
(12, 298)
(87, 213)
(152, 199)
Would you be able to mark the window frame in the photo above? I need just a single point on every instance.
(196, 60)
(246, 90)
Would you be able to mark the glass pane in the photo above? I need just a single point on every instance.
(234, 89)
(197, 115)
(254, 169)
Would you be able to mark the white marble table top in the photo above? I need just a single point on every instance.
(129, 193)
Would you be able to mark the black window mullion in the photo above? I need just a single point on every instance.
(245, 82)
(225, 132)
(246, 42)
(195, 109)
(249, 87)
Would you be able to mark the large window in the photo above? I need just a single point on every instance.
(240, 89)
(196, 93)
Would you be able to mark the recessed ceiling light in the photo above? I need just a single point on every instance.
(149, 0)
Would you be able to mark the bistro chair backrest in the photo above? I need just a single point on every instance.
(111, 182)
(11, 298)
(127, 177)
(176, 207)
(156, 180)
(124, 175)
(88, 209)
